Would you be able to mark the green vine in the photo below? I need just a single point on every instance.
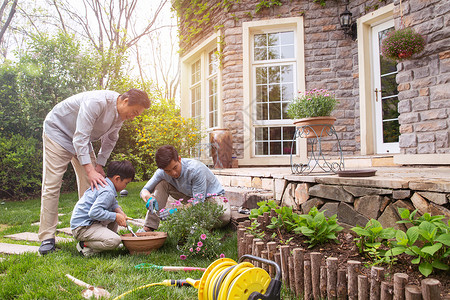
(267, 4)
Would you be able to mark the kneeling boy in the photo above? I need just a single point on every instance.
(97, 214)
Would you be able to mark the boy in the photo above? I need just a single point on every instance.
(97, 214)
(181, 178)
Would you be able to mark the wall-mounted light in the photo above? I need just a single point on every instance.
(347, 24)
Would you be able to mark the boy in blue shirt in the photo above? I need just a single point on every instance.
(97, 214)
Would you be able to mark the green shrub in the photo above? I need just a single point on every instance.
(21, 171)
(264, 206)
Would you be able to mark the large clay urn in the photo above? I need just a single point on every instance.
(221, 147)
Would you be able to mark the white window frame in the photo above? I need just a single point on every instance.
(265, 26)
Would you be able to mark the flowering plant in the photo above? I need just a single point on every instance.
(402, 44)
(314, 103)
(191, 228)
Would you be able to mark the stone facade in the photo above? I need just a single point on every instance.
(331, 62)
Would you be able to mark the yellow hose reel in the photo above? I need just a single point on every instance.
(225, 279)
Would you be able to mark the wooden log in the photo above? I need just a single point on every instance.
(413, 292)
(431, 289)
(248, 243)
(376, 277)
(323, 282)
(277, 259)
(342, 284)
(266, 217)
(291, 274)
(284, 253)
(271, 249)
(363, 287)
(247, 223)
(332, 267)
(259, 248)
(316, 260)
(264, 255)
(307, 276)
(387, 291)
(273, 213)
(353, 269)
(240, 239)
(260, 220)
(298, 258)
(253, 250)
(400, 281)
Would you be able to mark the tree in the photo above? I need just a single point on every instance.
(6, 23)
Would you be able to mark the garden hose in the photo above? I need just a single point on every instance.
(226, 279)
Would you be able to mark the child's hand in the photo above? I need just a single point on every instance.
(121, 219)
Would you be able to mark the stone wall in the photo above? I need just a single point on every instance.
(424, 82)
(357, 204)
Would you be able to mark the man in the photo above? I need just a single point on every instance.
(69, 129)
(181, 178)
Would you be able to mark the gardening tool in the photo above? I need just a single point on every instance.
(152, 205)
(168, 268)
(90, 291)
(131, 229)
(227, 279)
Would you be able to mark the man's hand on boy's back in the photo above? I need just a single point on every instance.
(121, 219)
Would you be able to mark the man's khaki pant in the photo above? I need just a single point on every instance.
(99, 236)
(55, 161)
(162, 192)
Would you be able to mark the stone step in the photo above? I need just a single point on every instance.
(246, 197)
(33, 237)
(6, 248)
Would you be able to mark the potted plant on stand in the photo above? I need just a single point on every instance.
(312, 111)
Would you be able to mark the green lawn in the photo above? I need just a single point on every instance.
(30, 276)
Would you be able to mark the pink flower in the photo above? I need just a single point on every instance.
(225, 200)
(199, 244)
(222, 255)
(198, 249)
(162, 210)
(191, 249)
(203, 236)
(182, 257)
(177, 203)
(190, 200)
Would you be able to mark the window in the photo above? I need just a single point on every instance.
(213, 65)
(274, 77)
(196, 91)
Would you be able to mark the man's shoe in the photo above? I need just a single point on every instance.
(47, 246)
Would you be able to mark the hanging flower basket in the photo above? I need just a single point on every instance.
(402, 44)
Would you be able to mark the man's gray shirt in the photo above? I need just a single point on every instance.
(195, 180)
(80, 119)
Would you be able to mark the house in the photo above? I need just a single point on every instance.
(243, 61)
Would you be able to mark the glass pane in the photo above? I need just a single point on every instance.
(284, 107)
(388, 85)
(261, 75)
(287, 38)
(273, 52)
(261, 148)
(261, 133)
(260, 40)
(275, 111)
(288, 133)
(273, 39)
(260, 53)
(274, 74)
(261, 111)
(287, 146)
(275, 148)
(287, 92)
(287, 74)
(261, 93)
(213, 62)
(274, 92)
(287, 51)
(387, 65)
(390, 108)
(391, 131)
(275, 133)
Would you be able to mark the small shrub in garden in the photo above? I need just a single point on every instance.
(191, 229)
(428, 240)
(318, 228)
(374, 241)
(264, 206)
(285, 218)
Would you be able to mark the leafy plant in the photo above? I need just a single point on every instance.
(402, 44)
(371, 240)
(428, 241)
(317, 227)
(191, 229)
(254, 230)
(285, 218)
(264, 206)
(315, 103)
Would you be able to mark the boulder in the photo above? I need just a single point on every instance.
(332, 192)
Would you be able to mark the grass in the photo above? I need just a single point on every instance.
(31, 276)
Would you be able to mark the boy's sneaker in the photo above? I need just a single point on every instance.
(84, 251)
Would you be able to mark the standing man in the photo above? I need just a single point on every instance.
(69, 129)
(181, 178)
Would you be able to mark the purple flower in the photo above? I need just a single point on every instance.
(199, 244)
(222, 255)
(203, 236)
(182, 257)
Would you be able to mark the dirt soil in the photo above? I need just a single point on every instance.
(346, 250)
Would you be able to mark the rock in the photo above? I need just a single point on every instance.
(289, 196)
(302, 193)
(438, 198)
(330, 209)
(306, 207)
(389, 218)
(359, 191)
(331, 192)
(401, 194)
(347, 215)
(279, 185)
(439, 210)
(420, 203)
(369, 206)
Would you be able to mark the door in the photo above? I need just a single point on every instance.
(385, 94)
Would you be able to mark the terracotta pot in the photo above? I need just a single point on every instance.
(221, 148)
(145, 242)
(315, 126)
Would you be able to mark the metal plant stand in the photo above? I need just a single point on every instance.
(316, 157)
